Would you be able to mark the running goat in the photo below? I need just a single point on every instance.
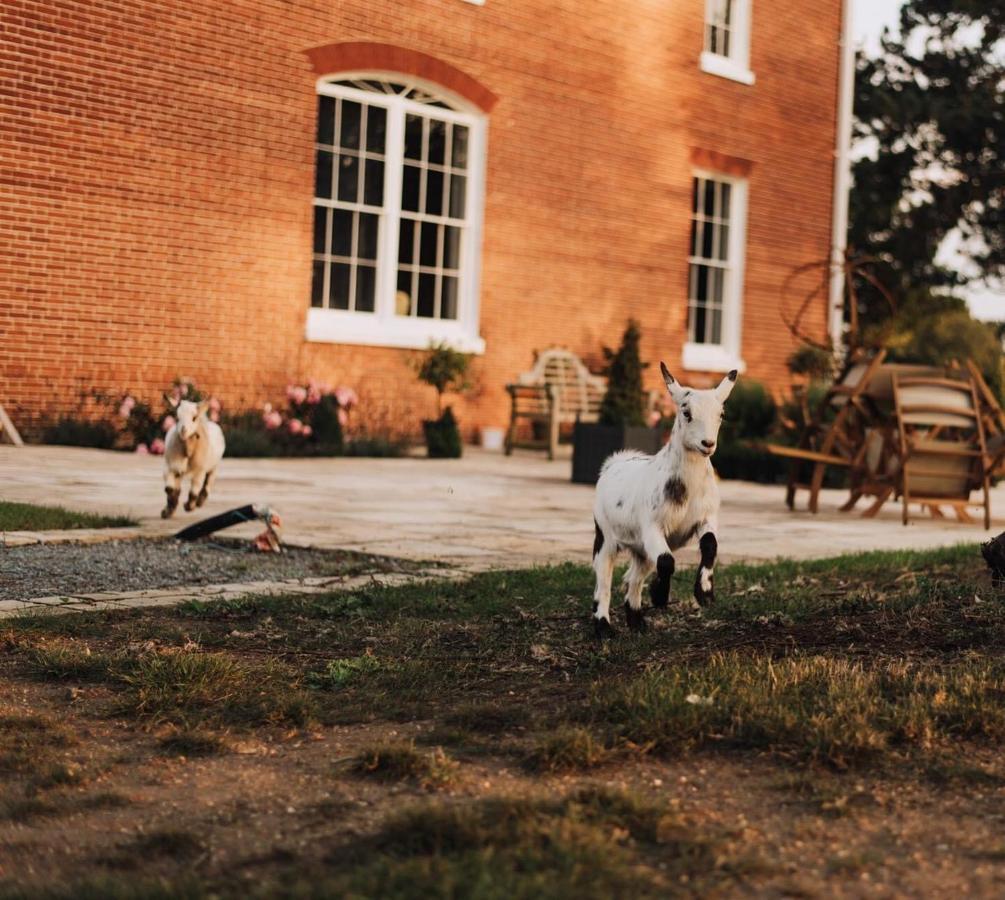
(652, 505)
(194, 447)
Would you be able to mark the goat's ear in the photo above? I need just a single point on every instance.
(203, 407)
(171, 401)
(673, 385)
(726, 385)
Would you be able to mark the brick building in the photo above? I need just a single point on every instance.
(250, 192)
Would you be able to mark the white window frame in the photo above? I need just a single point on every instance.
(736, 65)
(383, 327)
(724, 356)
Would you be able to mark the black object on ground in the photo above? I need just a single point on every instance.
(227, 519)
(994, 556)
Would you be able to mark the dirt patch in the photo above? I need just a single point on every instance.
(40, 570)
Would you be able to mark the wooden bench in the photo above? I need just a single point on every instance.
(559, 390)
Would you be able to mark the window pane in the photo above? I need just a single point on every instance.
(709, 201)
(701, 292)
(338, 289)
(373, 184)
(448, 303)
(698, 322)
(350, 124)
(410, 188)
(318, 285)
(320, 228)
(341, 232)
(727, 190)
(323, 175)
(326, 120)
(717, 279)
(406, 235)
(437, 142)
(695, 188)
(366, 280)
(426, 306)
(376, 128)
(367, 239)
(403, 297)
(413, 137)
(708, 236)
(434, 192)
(459, 156)
(451, 247)
(348, 178)
(723, 242)
(427, 245)
(458, 189)
(696, 235)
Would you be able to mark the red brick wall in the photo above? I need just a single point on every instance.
(156, 179)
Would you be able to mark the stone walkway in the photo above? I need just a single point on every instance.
(482, 511)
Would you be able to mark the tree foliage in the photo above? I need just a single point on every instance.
(932, 106)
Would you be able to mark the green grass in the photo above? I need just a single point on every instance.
(403, 762)
(31, 517)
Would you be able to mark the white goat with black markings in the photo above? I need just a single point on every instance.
(653, 505)
(193, 447)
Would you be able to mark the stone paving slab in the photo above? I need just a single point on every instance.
(483, 511)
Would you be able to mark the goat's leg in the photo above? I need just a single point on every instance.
(634, 579)
(172, 489)
(604, 551)
(708, 544)
(197, 478)
(206, 485)
(659, 590)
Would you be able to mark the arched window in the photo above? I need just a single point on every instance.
(397, 213)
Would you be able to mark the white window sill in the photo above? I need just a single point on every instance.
(327, 326)
(724, 67)
(710, 358)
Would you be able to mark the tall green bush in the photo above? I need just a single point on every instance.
(624, 402)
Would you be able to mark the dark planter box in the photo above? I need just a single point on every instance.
(592, 444)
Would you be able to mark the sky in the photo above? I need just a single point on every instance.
(870, 17)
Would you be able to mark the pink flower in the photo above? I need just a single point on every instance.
(127, 407)
(654, 418)
(297, 394)
(313, 396)
(214, 404)
(346, 397)
(142, 449)
(273, 420)
(157, 446)
(296, 426)
(308, 431)
(267, 408)
(343, 417)
(183, 387)
(168, 423)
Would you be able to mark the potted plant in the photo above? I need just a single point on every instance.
(622, 422)
(444, 369)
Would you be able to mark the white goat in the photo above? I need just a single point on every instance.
(652, 505)
(194, 447)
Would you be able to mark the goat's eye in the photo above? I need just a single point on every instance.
(687, 415)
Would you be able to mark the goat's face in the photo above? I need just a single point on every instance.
(699, 413)
(187, 414)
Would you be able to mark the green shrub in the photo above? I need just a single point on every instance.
(443, 438)
(72, 432)
(623, 403)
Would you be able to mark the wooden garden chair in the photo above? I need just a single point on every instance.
(942, 453)
(842, 441)
(993, 420)
(558, 390)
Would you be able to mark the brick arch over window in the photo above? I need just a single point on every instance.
(357, 55)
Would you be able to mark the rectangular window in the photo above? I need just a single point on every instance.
(726, 49)
(715, 270)
(397, 209)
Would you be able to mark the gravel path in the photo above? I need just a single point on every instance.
(40, 570)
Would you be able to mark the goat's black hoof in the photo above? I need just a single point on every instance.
(635, 619)
(659, 593)
(189, 504)
(602, 629)
(167, 513)
(703, 597)
(202, 499)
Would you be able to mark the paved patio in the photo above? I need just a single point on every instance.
(485, 510)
